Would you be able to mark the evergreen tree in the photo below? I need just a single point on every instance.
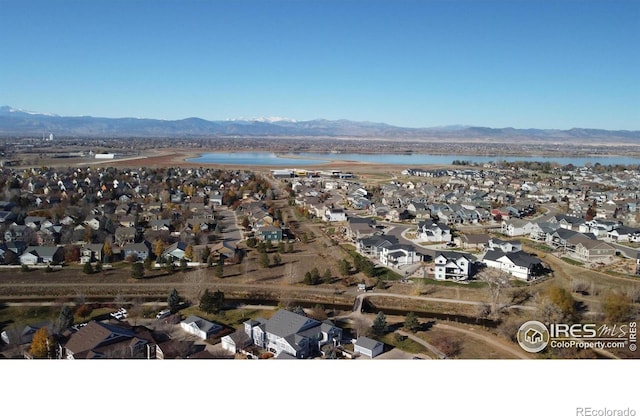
(211, 302)
(87, 268)
(379, 326)
(264, 260)
(137, 270)
(148, 263)
(277, 259)
(344, 267)
(299, 310)
(65, 319)
(220, 268)
(173, 301)
(411, 322)
(326, 277)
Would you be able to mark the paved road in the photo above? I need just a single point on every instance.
(227, 219)
(632, 253)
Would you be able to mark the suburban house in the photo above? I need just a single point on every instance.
(419, 210)
(106, 340)
(453, 265)
(42, 255)
(473, 241)
(372, 246)
(368, 347)
(125, 235)
(505, 246)
(398, 255)
(515, 228)
(360, 228)
(200, 327)
(270, 233)
(624, 234)
(434, 232)
(175, 251)
(91, 253)
(160, 225)
(519, 264)
(291, 334)
(10, 337)
(216, 199)
(140, 250)
(594, 250)
(568, 222)
(335, 215)
(235, 342)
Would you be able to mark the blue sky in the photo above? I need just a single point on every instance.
(524, 64)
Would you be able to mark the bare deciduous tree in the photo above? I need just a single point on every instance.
(497, 281)
(196, 283)
(361, 327)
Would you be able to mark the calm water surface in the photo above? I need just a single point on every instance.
(307, 159)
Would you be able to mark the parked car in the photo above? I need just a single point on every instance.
(163, 314)
(119, 314)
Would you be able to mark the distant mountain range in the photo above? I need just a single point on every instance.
(20, 123)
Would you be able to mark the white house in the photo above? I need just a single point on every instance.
(453, 265)
(293, 335)
(335, 215)
(235, 342)
(200, 327)
(398, 255)
(515, 228)
(434, 232)
(518, 264)
(505, 246)
(368, 347)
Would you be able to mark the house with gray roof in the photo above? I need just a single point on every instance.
(372, 246)
(398, 255)
(360, 227)
(235, 342)
(200, 327)
(140, 250)
(368, 347)
(519, 264)
(453, 265)
(42, 255)
(434, 232)
(292, 334)
(505, 245)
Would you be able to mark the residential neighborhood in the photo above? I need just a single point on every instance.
(455, 226)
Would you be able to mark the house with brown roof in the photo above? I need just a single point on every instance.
(108, 340)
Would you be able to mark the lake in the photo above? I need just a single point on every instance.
(312, 159)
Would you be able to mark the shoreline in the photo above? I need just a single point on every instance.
(185, 158)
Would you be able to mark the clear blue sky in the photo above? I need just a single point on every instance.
(538, 64)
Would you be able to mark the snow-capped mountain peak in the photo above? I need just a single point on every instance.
(268, 119)
(7, 109)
